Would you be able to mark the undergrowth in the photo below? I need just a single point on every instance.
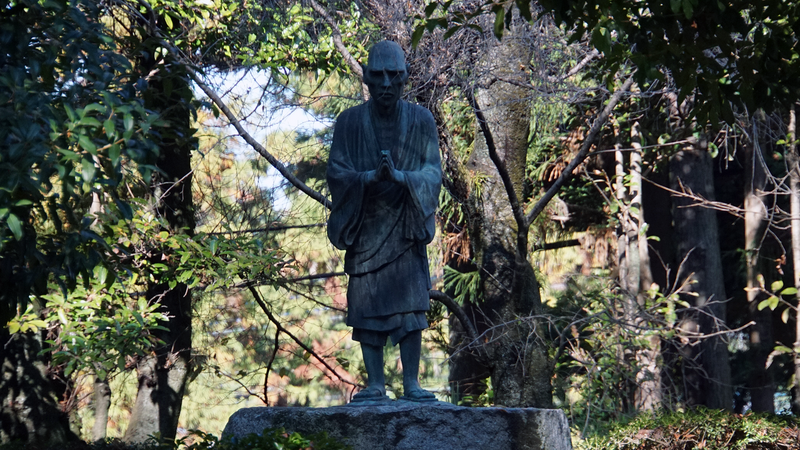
(700, 428)
(270, 439)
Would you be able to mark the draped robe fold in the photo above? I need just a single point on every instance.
(384, 228)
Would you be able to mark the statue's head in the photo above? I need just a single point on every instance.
(386, 73)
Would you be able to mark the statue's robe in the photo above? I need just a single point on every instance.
(384, 227)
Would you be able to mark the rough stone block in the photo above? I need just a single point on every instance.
(414, 426)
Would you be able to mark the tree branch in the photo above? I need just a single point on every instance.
(556, 245)
(253, 143)
(269, 365)
(593, 135)
(339, 44)
(268, 229)
(297, 340)
(453, 307)
(519, 215)
(578, 67)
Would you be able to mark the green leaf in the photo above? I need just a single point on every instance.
(15, 226)
(70, 113)
(771, 302)
(125, 209)
(128, 122)
(87, 144)
(499, 22)
(184, 276)
(776, 286)
(431, 8)
(92, 107)
(101, 273)
(525, 9)
(168, 21)
(417, 35)
(90, 122)
(785, 315)
(113, 154)
(108, 126)
(688, 9)
(88, 170)
(451, 31)
(789, 291)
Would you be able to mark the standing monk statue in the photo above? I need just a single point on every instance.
(385, 174)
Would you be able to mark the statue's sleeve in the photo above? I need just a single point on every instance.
(424, 184)
(344, 182)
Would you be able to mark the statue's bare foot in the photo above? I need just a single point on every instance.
(417, 394)
(370, 394)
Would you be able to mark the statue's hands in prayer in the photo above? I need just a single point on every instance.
(387, 171)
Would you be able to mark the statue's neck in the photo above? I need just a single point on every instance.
(385, 114)
(386, 125)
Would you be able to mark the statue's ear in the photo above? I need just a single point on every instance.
(408, 72)
(364, 72)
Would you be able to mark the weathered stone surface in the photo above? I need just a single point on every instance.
(413, 426)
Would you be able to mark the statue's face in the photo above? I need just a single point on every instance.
(386, 73)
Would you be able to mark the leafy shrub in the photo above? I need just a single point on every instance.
(269, 439)
(700, 429)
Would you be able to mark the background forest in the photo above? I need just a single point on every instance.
(619, 232)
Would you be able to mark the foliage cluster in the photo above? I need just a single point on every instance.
(269, 439)
(603, 332)
(699, 429)
(70, 121)
(729, 55)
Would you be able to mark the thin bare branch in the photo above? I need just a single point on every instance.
(594, 134)
(578, 67)
(268, 229)
(297, 340)
(269, 365)
(253, 143)
(556, 245)
(519, 215)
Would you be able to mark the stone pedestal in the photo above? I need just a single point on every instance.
(415, 426)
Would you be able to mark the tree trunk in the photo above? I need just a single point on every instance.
(163, 375)
(520, 367)
(706, 368)
(794, 180)
(468, 370)
(29, 411)
(29, 407)
(633, 260)
(760, 383)
(647, 396)
(102, 402)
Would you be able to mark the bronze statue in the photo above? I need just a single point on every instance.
(385, 174)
